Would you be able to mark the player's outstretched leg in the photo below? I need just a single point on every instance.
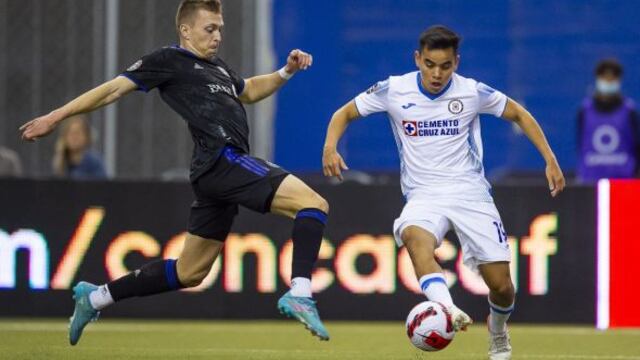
(153, 278)
(83, 313)
(502, 293)
(309, 210)
(421, 246)
(194, 263)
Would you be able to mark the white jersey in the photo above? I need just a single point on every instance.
(438, 136)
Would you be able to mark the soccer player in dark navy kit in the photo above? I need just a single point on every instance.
(209, 96)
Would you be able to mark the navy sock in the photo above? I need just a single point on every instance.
(308, 228)
(153, 278)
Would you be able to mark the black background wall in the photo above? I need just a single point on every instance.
(160, 210)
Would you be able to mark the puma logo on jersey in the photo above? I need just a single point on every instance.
(222, 70)
(135, 66)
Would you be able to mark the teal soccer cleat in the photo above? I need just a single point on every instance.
(83, 312)
(304, 310)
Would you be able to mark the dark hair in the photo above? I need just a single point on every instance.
(439, 37)
(609, 65)
(189, 7)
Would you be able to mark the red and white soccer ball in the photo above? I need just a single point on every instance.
(429, 326)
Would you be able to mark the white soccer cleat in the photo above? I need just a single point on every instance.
(460, 319)
(499, 346)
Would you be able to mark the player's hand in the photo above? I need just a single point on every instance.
(298, 60)
(332, 163)
(555, 178)
(40, 126)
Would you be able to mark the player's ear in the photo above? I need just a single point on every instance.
(457, 62)
(184, 31)
(416, 56)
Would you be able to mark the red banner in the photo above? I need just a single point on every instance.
(624, 249)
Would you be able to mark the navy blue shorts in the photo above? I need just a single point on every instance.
(235, 179)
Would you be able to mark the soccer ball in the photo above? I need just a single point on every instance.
(429, 326)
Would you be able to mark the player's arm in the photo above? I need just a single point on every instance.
(518, 114)
(332, 161)
(263, 86)
(96, 98)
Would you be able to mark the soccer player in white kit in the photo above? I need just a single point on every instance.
(434, 114)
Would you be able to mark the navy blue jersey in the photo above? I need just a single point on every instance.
(204, 92)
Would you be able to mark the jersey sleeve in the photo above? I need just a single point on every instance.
(491, 101)
(151, 71)
(374, 99)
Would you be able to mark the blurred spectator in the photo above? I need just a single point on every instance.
(608, 129)
(73, 156)
(10, 165)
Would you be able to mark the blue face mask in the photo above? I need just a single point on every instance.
(605, 87)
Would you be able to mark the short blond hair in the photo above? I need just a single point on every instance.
(188, 8)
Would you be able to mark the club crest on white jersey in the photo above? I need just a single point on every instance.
(455, 106)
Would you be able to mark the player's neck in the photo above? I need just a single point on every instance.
(425, 86)
(187, 47)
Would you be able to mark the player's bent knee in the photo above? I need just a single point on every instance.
(504, 288)
(322, 204)
(315, 202)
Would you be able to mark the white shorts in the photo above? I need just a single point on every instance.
(477, 224)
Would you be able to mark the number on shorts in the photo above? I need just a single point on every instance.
(502, 234)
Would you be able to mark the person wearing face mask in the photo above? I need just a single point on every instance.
(608, 129)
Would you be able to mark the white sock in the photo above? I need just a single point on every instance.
(498, 316)
(301, 287)
(434, 287)
(101, 298)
